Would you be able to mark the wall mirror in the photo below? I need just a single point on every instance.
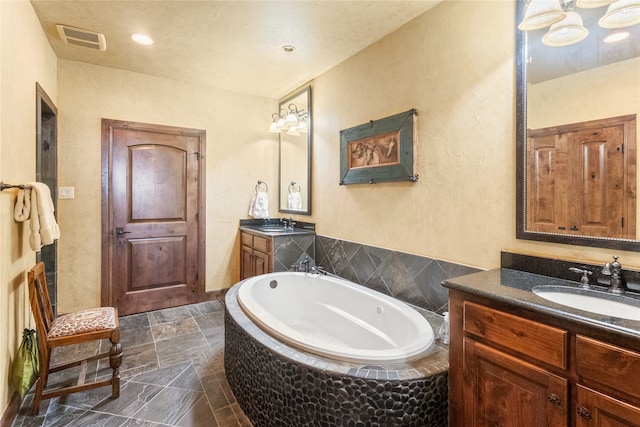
(576, 108)
(295, 154)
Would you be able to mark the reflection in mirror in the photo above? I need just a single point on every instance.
(577, 102)
(295, 153)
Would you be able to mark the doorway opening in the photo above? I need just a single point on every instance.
(47, 172)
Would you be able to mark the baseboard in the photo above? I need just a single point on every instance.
(11, 412)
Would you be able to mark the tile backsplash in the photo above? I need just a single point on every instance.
(410, 278)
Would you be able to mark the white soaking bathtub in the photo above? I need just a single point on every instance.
(335, 318)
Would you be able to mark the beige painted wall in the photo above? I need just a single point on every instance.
(239, 151)
(25, 58)
(459, 73)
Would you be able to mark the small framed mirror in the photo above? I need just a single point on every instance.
(295, 154)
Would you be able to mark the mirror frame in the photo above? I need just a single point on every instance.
(521, 161)
(285, 101)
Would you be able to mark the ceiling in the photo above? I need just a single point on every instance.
(233, 45)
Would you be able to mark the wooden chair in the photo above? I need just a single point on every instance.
(69, 329)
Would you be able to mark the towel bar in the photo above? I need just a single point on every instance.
(260, 182)
(292, 186)
(4, 186)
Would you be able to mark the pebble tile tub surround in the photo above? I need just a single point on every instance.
(277, 385)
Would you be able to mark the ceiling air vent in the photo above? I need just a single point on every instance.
(80, 37)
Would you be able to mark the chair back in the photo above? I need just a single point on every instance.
(40, 304)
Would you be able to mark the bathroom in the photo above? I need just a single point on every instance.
(455, 65)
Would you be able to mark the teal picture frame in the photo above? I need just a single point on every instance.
(383, 150)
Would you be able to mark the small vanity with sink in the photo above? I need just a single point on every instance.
(530, 350)
(271, 245)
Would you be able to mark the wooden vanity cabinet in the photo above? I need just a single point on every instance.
(256, 253)
(509, 369)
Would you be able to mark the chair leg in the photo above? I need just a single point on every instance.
(37, 397)
(115, 360)
(41, 381)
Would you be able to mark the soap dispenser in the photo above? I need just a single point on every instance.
(444, 329)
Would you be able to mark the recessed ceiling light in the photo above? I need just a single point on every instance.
(616, 37)
(288, 48)
(142, 39)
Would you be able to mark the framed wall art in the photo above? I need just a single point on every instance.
(383, 150)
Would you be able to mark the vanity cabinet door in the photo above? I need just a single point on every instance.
(255, 255)
(594, 409)
(502, 390)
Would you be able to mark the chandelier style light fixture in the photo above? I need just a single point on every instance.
(292, 121)
(565, 24)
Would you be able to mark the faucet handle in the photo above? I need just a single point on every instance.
(584, 280)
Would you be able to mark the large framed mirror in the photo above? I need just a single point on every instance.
(577, 105)
(295, 154)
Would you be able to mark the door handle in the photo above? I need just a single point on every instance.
(120, 231)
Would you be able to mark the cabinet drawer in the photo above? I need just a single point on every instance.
(246, 239)
(607, 365)
(526, 337)
(261, 244)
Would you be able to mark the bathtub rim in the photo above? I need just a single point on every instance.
(407, 353)
(435, 362)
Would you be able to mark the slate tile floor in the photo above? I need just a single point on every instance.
(172, 374)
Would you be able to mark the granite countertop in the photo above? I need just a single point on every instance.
(275, 231)
(515, 288)
(274, 227)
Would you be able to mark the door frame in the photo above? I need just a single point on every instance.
(107, 226)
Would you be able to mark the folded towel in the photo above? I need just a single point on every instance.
(295, 201)
(34, 202)
(259, 207)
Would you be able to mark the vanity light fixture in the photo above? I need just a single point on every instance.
(566, 32)
(142, 39)
(566, 24)
(291, 121)
(541, 14)
(273, 127)
(292, 116)
(621, 13)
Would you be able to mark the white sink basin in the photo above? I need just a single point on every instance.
(591, 300)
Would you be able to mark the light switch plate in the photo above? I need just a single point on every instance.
(66, 192)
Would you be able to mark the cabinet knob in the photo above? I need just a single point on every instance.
(584, 413)
(554, 398)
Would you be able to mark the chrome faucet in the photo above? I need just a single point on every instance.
(304, 264)
(614, 269)
(288, 223)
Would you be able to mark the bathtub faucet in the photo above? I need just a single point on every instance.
(304, 264)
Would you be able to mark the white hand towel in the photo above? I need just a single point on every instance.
(252, 203)
(295, 201)
(35, 203)
(261, 208)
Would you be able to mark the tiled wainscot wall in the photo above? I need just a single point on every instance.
(410, 278)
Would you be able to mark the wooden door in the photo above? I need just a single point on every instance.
(581, 178)
(600, 192)
(503, 391)
(547, 189)
(595, 409)
(152, 202)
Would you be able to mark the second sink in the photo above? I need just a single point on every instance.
(591, 300)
